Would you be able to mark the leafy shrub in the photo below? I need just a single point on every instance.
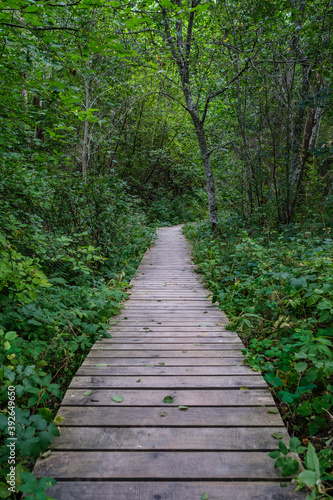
(67, 252)
(277, 291)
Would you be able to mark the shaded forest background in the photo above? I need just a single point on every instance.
(118, 117)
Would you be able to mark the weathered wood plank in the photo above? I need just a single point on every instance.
(172, 346)
(187, 353)
(158, 490)
(158, 465)
(154, 397)
(97, 370)
(156, 438)
(122, 416)
(188, 362)
(152, 381)
(119, 339)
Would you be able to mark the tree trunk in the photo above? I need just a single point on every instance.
(84, 156)
(181, 50)
(205, 157)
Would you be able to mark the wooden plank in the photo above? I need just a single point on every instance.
(119, 339)
(95, 369)
(216, 331)
(172, 346)
(213, 353)
(169, 438)
(194, 324)
(225, 381)
(187, 362)
(158, 490)
(159, 465)
(122, 416)
(187, 397)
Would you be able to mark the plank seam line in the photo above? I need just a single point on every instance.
(203, 426)
(172, 480)
(162, 450)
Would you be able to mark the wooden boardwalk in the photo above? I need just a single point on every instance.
(169, 342)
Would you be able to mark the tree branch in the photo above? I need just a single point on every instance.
(50, 28)
(219, 92)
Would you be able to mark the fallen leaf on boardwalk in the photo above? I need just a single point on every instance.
(163, 414)
(162, 364)
(117, 398)
(58, 420)
(46, 454)
(168, 399)
(277, 435)
(183, 408)
(204, 496)
(189, 370)
(202, 324)
(150, 365)
(102, 364)
(184, 351)
(198, 344)
(272, 410)
(243, 388)
(139, 380)
(88, 393)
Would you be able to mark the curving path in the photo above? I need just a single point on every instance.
(169, 342)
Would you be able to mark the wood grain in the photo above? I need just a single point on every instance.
(175, 490)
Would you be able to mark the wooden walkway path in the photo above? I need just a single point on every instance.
(169, 342)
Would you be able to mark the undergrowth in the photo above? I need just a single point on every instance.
(68, 251)
(277, 291)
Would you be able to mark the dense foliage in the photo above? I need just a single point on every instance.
(277, 291)
(68, 251)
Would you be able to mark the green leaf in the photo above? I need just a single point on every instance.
(274, 454)
(294, 443)
(272, 410)
(183, 408)
(204, 496)
(31, 447)
(283, 448)
(301, 367)
(10, 336)
(277, 435)
(88, 393)
(168, 400)
(312, 461)
(162, 364)
(163, 414)
(45, 439)
(4, 492)
(289, 467)
(102, 364)
(313, 428)
(308, 477)
(117, 398)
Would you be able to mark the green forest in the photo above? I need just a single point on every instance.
(118, 117)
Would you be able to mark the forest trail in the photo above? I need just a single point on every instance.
(169, 342)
